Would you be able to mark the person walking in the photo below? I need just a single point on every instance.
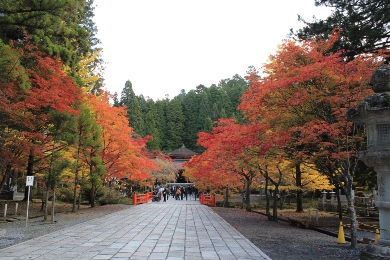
(189, 191)
(173, 191)
(181, 192)
(195, 190)
(160, 192)
(177, 194)
(165, 194)
(185, 189)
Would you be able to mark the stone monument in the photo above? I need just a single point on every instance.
(374, 113)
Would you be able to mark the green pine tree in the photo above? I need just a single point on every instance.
(174, 121)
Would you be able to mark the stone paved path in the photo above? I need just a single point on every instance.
(156, 230)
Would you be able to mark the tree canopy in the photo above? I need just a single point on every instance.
(62, 28)
(363, 25)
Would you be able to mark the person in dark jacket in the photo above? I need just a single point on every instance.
(165, 194)
(181, 192)
(185, 190)
(195, 191)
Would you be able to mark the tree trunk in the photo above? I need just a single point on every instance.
(299, 188)
(75, 192)
(53, 206)
(6, 174)
(226, 200)
(267, 203)
(281, 201)
(79, 199)
(275, 206)
(46, 203)
(351, 210)
(3, 179)
(276, 196)
(30, 172)
(92, 195)
(352, 213)
(242, 197)
(76, 179)
(339, 208)
(43, 199)
(248, 195)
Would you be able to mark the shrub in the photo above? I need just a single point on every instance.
(112, 196)
(64, 194)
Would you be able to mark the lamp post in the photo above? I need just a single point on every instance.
(374, 113)
(323, 199)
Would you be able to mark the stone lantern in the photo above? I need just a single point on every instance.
(323, 194)
(374, 113)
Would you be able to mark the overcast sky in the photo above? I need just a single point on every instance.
(164, 46)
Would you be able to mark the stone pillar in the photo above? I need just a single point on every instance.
(383, 203)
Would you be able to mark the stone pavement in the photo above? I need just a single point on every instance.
(157, 230)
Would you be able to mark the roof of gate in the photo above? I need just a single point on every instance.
(182, 152)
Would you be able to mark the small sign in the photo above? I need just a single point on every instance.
(30, 181)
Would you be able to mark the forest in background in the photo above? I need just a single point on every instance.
(174, 122)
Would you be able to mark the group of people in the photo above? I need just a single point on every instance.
(160, 192)
(178, 193)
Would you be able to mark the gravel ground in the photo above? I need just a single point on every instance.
(278, 240)
(283, 241)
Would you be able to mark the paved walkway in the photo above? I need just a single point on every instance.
(156, 230)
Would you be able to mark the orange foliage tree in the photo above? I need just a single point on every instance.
(41, 107)
(120, 154)
(32, 107)
(166, 170)
(307, 91)
(232, 155)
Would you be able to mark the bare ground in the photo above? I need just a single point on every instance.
(280, 240)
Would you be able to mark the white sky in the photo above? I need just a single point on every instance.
(164, 46)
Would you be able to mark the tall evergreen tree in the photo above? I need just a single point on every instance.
(219, 100)
(150, 129)
(136, 117)
(191, 106)
(131, 101)
(364, 25)
(205, 107)
(207, 125)
(63, 133)
(222, 113)
(215, 114)
(88, 138)
(61, 28)
(127, 94)
(174, 125)
(234, 89)
(160, 121)
(115, 100)
(150, 111)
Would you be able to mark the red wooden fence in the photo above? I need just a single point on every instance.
(142, 198)
(208, 199)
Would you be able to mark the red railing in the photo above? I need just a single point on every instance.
(142, 198)
(209, 200)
